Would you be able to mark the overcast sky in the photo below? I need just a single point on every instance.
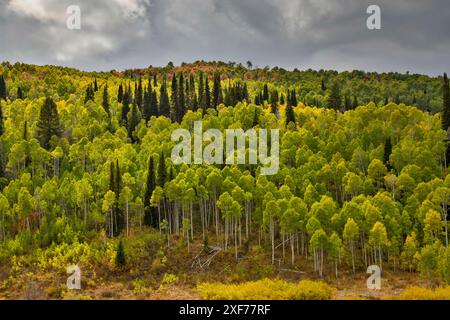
(328, 34)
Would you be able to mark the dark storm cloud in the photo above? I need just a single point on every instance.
(317, 34)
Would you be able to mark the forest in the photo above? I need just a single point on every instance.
(86, 178)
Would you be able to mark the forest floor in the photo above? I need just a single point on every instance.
(144, 283)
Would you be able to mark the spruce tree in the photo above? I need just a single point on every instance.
(3, 89)
(138, 95)
(446, 106)
(120, 94)
(387, 152)
(19, 93)
(2, 120)
(162, 171)
(266, 93)
(334, 97)
(217, 91)
(181, 99)
(127, 98)
(164, 107)
(120, 255)
(290, 115)
(174, 99)
(150, 215)
(207, 104)
(105, 102)
(201, 91)
(133, 121)
(48, 123)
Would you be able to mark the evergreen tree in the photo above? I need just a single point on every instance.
(127, 98)
(134, 118)
(334, 97)
(2, 120)
(201, 91)
(150, 215)
(120, 94)
(120, 255)
(217, 91)
(89, 94)
(19, 93)
(294, 100)
(48, 123)
(164, 108)
(446, 106)
(138, 95)
(3, 88)
(155, 81)
(207, 95)
(323, 87)
(175, 102)
(180, 111)
(105, 102)
(266, 93)
(282, 101)
(95, 85)
(290, 115)
(162, 171)
(387, 152)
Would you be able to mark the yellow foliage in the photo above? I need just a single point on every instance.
(418, 293)
(267, 289)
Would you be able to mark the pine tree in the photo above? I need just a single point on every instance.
(120, 255)
(3, 88)
(120, 94)
(201, 91)
(294, 101)
(105, 102)
(181, 99)
(133, 121)
(175, 101)
(290, 116)
(48, 123)
(164, 108)
(387, 152)
(89, 94)
(2, 120)
(217, 91)
(323, 87)
(162, 171)
(127, 98)
(138, 95)
(155, 81)
(150, 215)
(95, 85)
(266, 93)
(334, 97)
(207, 95)
(446, 106)
(19, 93)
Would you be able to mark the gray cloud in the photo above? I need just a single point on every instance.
(328, 34)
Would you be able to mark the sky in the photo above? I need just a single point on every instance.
(303, 34)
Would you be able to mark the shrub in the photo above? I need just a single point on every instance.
(418, 293)
(267, 289)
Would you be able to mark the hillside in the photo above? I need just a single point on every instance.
(87, 179)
